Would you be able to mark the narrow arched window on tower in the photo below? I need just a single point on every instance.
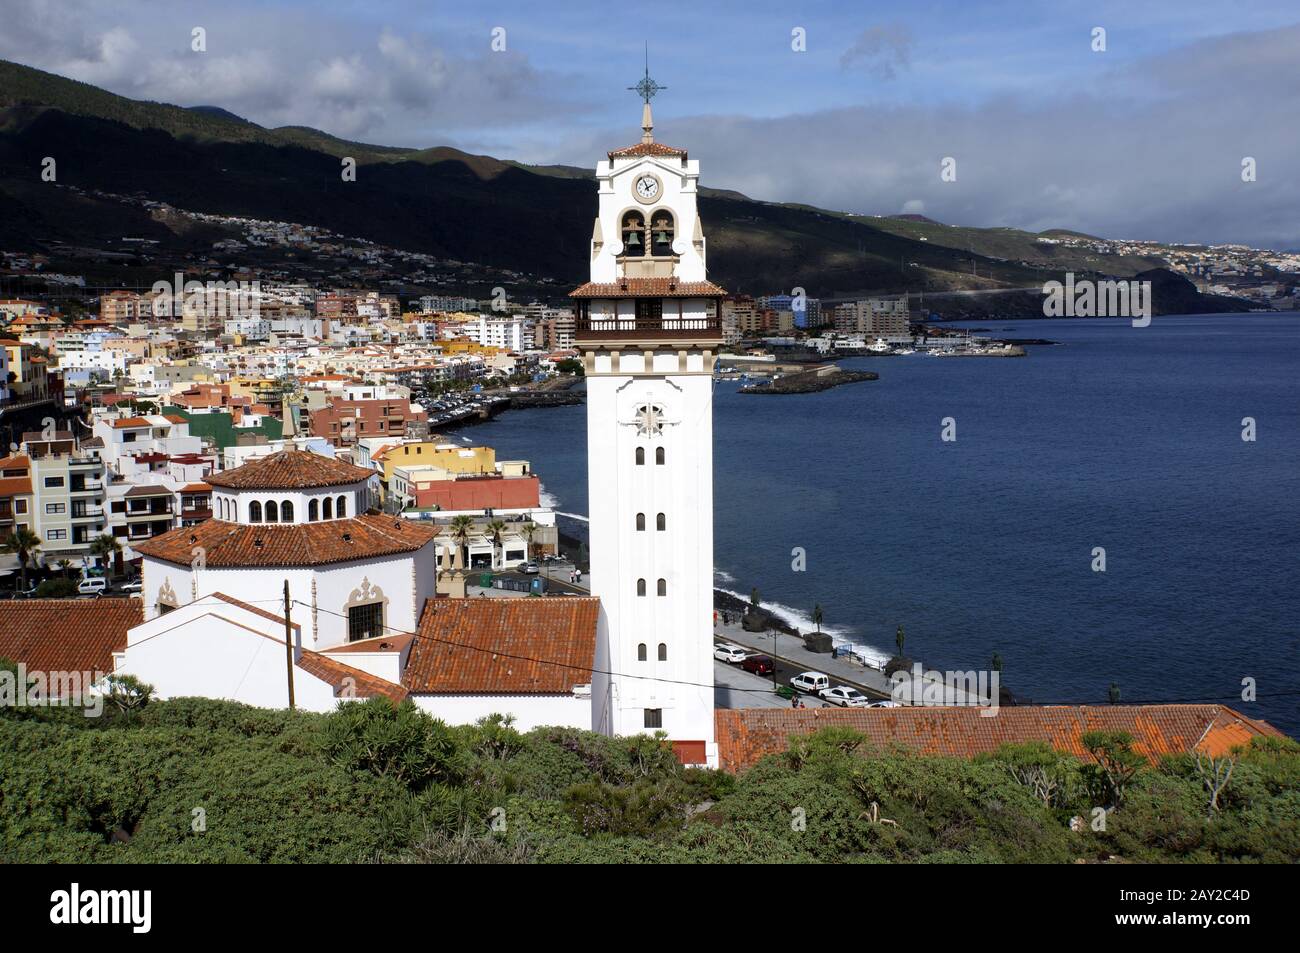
(313, 511)
(663, 587)
(286, 512)
(341, 510)
(659, 456)
(640, 652)
(272, 512)
(255, 512)
(327, 509)
(640, 521)
(661, 523)
(663, 651)
(640, 587)
(640, 456)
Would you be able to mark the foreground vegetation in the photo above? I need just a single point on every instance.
(193, 780)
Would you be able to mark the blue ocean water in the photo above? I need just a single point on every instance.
(1119, 437)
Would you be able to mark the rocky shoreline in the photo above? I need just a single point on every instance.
(810, 382)
(734, 607)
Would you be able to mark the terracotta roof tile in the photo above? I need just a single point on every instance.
(348, 682)
(125, 422)
(746, 735)
(488, 646)
(231, 545)
(248, 607)
(647, 149)
(648, 288)
(290, 470)
(15, 486)
(67, 635)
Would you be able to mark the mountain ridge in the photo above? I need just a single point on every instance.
(448, 203)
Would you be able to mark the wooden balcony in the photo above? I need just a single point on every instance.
(602, 330)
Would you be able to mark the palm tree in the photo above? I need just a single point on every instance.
(530, 532)
(23, 543)
(106, 547)
(64, 565)
(817, 617)
(460, 530)
(495, 529)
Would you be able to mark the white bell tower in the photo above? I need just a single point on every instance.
(649, 330)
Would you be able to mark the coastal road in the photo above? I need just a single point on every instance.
(733, 687)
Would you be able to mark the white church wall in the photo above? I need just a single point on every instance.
(530, 711)
(220, 651)
(402, 582)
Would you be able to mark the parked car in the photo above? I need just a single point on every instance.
(888, 704)
(530, 569)
(729, 653)
(758, 664)
(810, 683)
(132, 586)
(93, 586)
(845, 697)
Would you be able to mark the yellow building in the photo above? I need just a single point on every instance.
(446, 456)
(260, 389)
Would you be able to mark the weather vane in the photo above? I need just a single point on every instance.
(647, 87)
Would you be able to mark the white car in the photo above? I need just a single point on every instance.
(730, 653)
(845, 697)
(133, 587)
(93, 586)
(810, 683)
(888, 704)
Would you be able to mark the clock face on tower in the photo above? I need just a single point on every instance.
(647, 188)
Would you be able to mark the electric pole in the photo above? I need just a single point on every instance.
(288, 642)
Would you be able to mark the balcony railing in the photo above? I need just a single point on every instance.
(87, 512)
(595, 328)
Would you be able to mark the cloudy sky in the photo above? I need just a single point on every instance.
(1145, 139)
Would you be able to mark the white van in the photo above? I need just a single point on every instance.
(810, 683)
(92, 586)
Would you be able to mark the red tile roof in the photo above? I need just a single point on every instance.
(67, 635)
(229, 545)
(348, 682)
(125, 422)
(503, 646)
(648, 288)
(647, 149)
(745, 735)
(145, 489)
(290, 470)
(16, 485)
(248, 607)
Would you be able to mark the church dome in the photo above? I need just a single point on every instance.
(290, 470)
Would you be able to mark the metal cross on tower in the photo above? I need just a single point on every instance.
(647, 87)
